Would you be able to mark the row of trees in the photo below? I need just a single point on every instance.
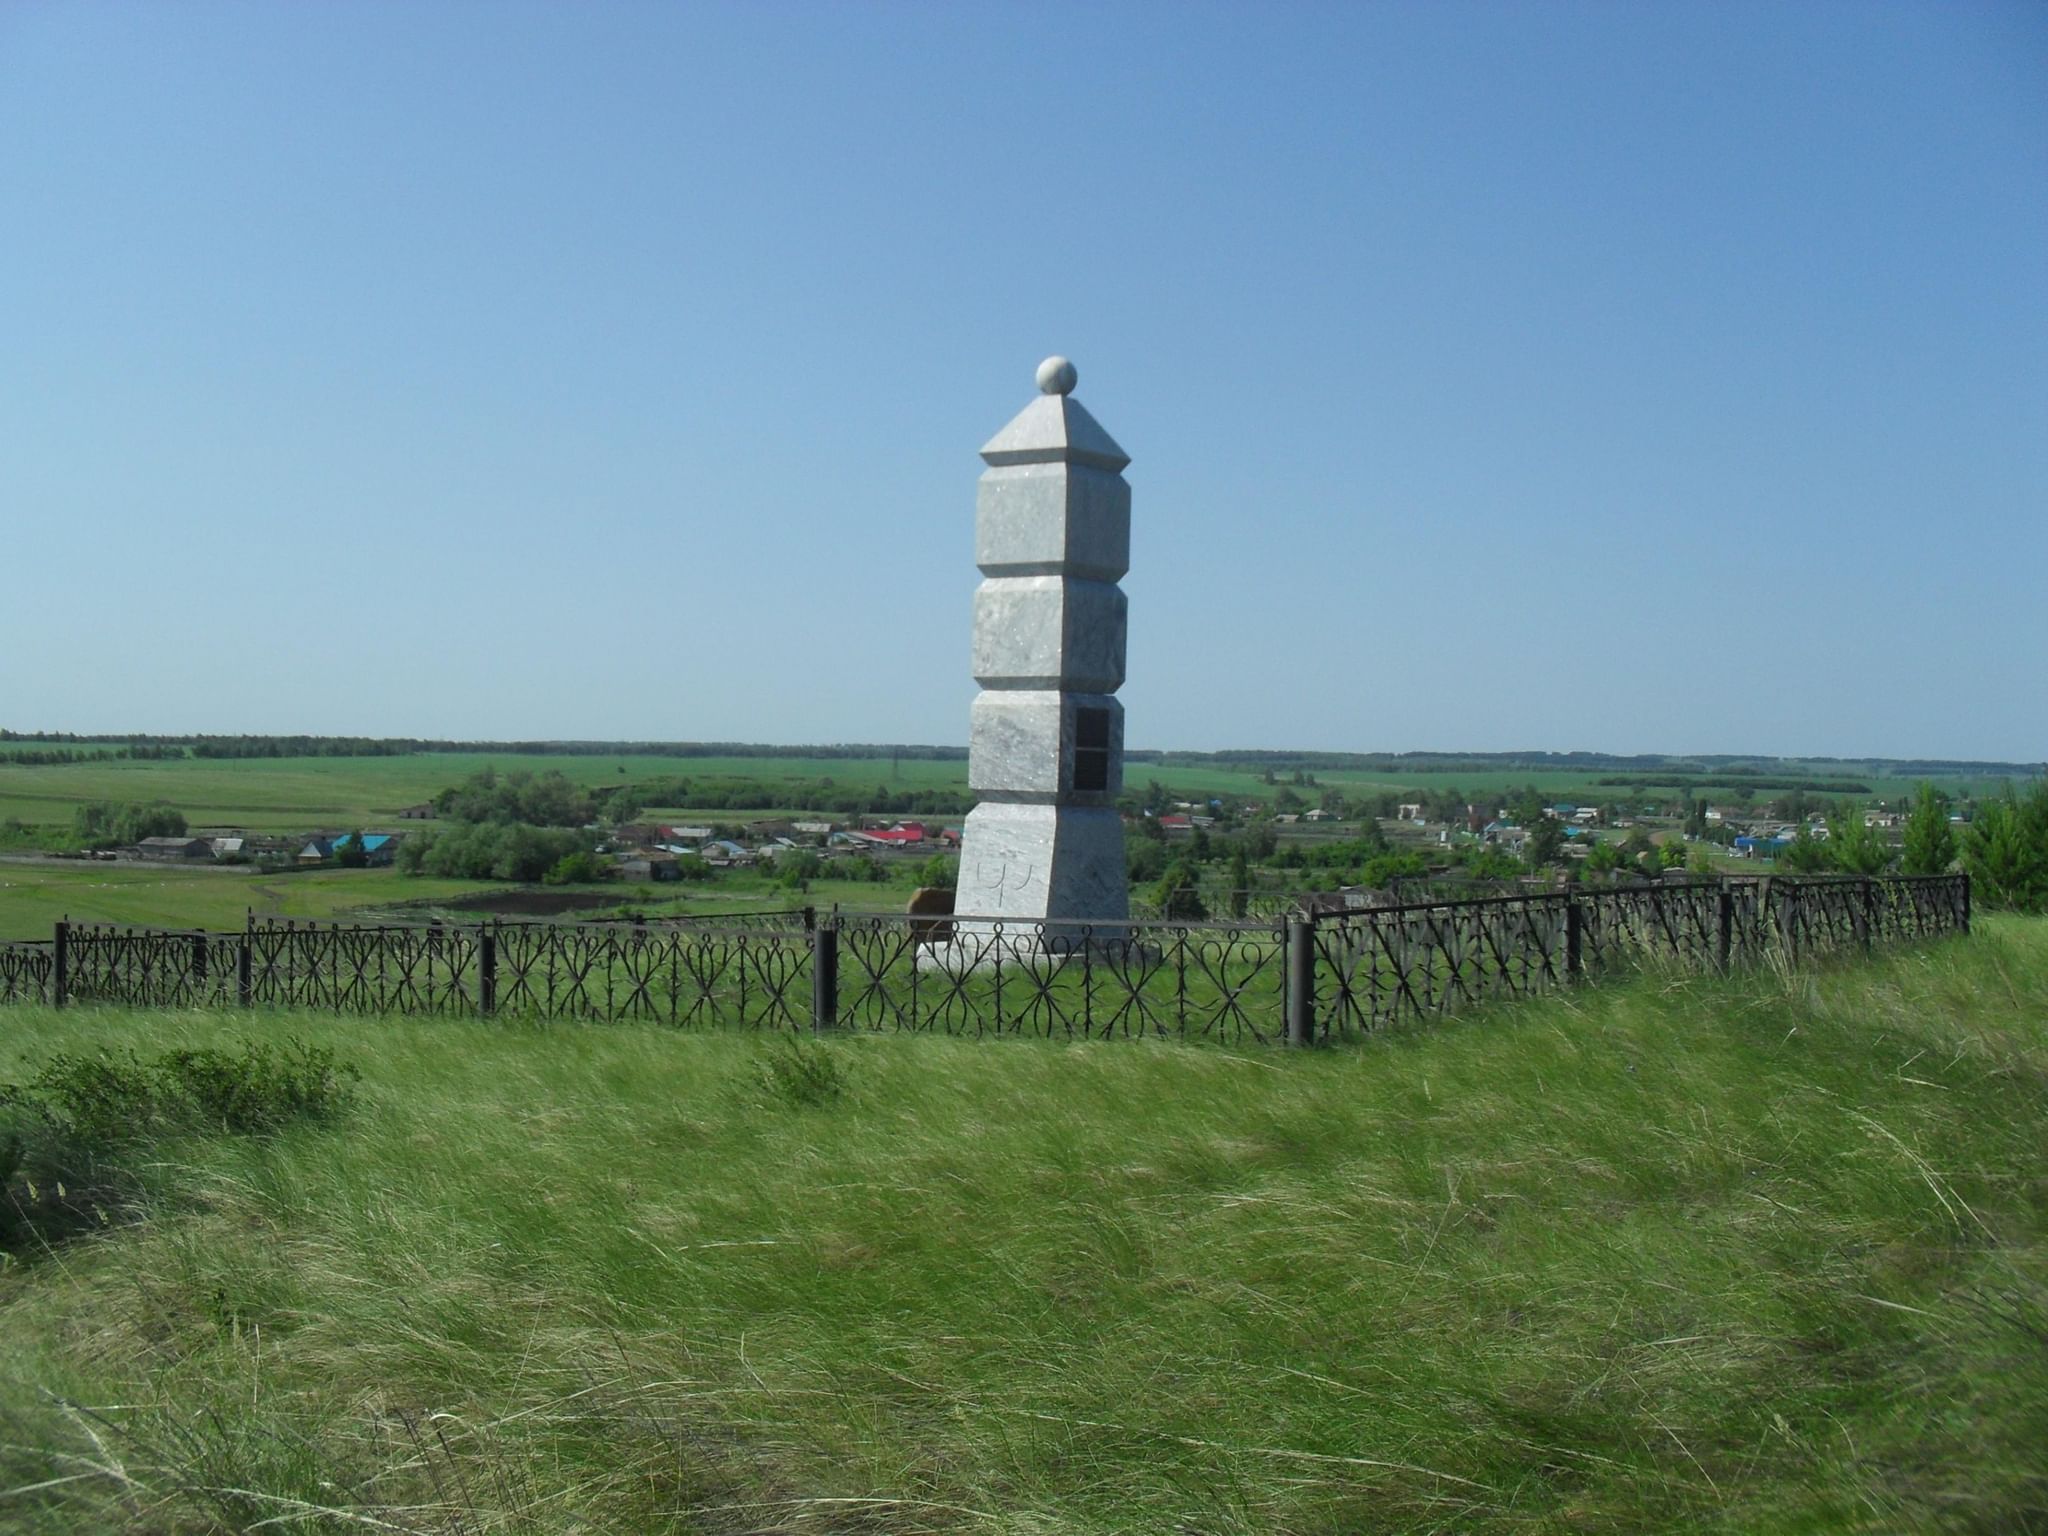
(512, 826)
(489, 850)
(100, 824)
(824, 795)
(2004, 846)
(520, 798)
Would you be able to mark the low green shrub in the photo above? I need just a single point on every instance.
(801, 1073)
(71, 1137)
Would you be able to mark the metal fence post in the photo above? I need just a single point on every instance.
(1725, 919)
(1966, 905)
(1574, 928)
(824, 975)
(60, 961)
(198, 959)
(487, 970)
(244, 969)
(1865, 928)
(1301, 980)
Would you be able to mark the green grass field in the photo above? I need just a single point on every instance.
(36, 893)
(302, 794)
(1762, 1254)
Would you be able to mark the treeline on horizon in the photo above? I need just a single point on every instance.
(1717, 768)
(49, 747)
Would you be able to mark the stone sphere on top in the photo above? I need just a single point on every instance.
(1057, 376)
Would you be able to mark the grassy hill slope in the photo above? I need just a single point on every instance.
(1677, 1255)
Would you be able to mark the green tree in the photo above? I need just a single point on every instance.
(1240, 877)
(580, 868)
(1144, 860)
(796, 868)
(349, 852)
(1179, 893)
(940, 872)
(2005, 850)
(1930, 846)
(1546, 841)
(1854, 845)
(101, 825)
(1807, 854)
(1604, 858)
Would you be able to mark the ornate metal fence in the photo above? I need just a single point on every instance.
(25, 971)
(1373, 967)
(981, 976)
(1311, 975)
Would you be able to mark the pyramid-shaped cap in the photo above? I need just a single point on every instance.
(1055, 429)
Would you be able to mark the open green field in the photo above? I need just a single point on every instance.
(295, 794)
(1760, 1254)
(36, 893)
(307, 793)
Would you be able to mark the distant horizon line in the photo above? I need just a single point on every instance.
(684, 748)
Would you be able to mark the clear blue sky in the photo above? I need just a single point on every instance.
(1632, 377)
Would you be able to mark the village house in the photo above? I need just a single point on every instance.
(654, 867)
(904, 835)
(172, 848)
(380, 848)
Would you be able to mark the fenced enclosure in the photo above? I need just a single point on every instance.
(1306, 976)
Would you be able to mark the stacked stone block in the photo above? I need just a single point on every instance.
(1045, 757)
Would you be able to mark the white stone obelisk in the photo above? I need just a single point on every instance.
(1052, 535)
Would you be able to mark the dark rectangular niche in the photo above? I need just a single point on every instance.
(1091, 750)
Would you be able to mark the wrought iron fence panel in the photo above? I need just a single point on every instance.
(25, 972)
(775, 980)
(685, 975)
(357, 968)
(703, 969)
(1813, 916)
(1378, 966)
(544, 969)
(1628, 925)
(1908, 909)
(967, 975)
(149, 967)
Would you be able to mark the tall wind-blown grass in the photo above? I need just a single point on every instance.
(1757, 1254)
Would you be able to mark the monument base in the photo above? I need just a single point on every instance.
(1043, 863)
(976, 944)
